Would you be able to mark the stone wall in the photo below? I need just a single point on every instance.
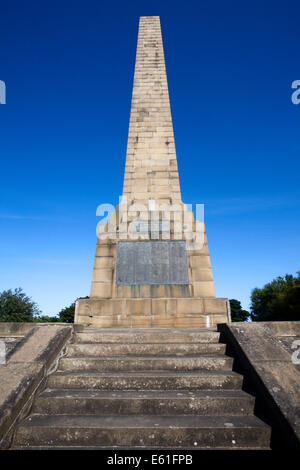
(266, 354)
(36, 349)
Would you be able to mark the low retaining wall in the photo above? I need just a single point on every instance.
(266, 355)
(32, 352)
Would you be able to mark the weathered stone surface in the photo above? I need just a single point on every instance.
(153, 262)
(160, 380)
(146, 363)
(258, 342)
(136, 431)
(17, 383)
(14, 329)
(269, 366)
(202, 274)
(193, 305)
(145, 349)
(143, 388)
(207, 402)
(161, 291)
(212, 306)
(101, 290)
(146, 336)
(42, 345)
(189, 312)
(203, 289)
(103, 274)
(26, 368)
(284, 328)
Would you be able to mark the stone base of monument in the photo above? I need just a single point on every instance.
(190, 312)
(147, 284)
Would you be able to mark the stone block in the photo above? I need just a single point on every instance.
(216, 305)
(102, 275)
(286, 328)
(216, 318)
(162, 322)
(203, 289)
(134, 291)
(42, 344)
(82, 308)
(138, 307)
(140, 322)
(197, 250)
(18, 382)
(282, 380)
(101, 289)
(105, 306)
(185, 306)
(103, 262)
(199, 261)
(202, 274)
(189, 322)
(105, 250)
(259, 343)
(108, 321)
(164, 306)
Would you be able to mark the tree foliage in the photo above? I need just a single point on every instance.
(237, 313)
(46, 319)
(15, 306)
(66, 315)
(279, 300)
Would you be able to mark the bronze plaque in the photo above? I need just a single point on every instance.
(152, 262)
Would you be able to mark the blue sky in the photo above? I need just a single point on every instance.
(68, 68)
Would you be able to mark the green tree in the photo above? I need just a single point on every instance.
(46, 319)
(279, 300)
(237, 313)
(66, 315)
(15, 306)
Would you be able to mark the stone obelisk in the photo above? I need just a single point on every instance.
(151, 166)
(152, 266)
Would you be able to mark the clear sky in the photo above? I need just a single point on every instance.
(68, 67)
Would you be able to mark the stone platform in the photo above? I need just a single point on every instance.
(190, 312)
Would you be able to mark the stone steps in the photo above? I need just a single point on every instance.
(207, 402)
(195, 380)
(141, 389)
(145, 349)
(133, 363)
(147, 336)
(160, 320)
(131, 431)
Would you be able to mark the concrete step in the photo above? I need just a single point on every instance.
(145, 349)
(208, 402)
(133, 363)
(195, 380)
(159, 335)
(142, 431)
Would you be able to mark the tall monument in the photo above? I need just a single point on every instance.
(152, 266)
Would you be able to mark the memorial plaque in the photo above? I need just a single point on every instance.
(152, 262)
